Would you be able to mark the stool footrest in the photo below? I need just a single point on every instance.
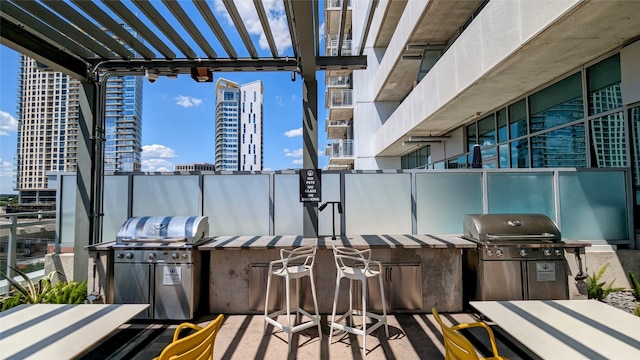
(336, 325)
(314, 320)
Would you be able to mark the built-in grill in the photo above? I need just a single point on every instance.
(155, 263)
(519, 256)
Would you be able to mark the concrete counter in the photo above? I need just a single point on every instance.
(429, 269)
(416, 241)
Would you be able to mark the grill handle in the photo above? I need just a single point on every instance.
(522, 237)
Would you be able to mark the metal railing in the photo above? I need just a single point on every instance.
(19, 245)
(340, 148)
(330, 4)
(337, 81)
(340, 98)
(332, 46)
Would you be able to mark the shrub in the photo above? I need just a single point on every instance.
(635, 286)
(599, 290)
(42, 292)
(636, 310)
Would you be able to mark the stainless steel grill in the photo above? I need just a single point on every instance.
(519, 256)
(155, 262)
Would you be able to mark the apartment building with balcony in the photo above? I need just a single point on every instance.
(339, 91)
(536, 84)
(239, 119)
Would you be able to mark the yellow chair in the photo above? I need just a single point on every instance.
(458, 347)
(198, 345)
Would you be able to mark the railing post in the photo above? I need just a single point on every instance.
(11, 246)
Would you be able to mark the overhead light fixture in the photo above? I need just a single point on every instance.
(201, 74)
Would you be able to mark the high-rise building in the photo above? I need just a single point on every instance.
(48, 111)
(238, 126)
(443, 76)
(123, 120)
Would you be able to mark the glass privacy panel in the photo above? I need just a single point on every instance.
(593, 206)
(116, 205)
(287, 205)
(236, 204)
(443, 199)
(330, 192)
(521, 193)
(377, 204)
(67, 232)
(169, 195)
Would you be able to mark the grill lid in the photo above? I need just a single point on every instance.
(168, 229)
(510, 227)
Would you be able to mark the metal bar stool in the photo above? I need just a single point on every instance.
(356, 265)
(293, 264)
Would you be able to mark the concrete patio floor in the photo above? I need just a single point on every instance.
(411, 336)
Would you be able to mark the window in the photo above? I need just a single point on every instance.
(603, 83)
(518, 119)
(558, 104)
(486, 131)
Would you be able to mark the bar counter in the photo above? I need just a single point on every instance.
(421, 271)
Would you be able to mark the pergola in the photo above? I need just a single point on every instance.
(92, 40)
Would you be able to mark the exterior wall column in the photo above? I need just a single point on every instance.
(88, 176)
(310, 149)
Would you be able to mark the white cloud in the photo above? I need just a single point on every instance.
(7, 123)
(293, 97)
(293, 153)
(279, 100)
(275, 14)
(157, 165)
(187, 101)
(7, 169)
(157, 151)
(297, 161)
(293, 132)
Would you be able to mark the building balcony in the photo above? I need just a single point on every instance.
(332, 16)
(340, 153)
(337, 81)
(332, 46)
(340, 104)
(338, 129)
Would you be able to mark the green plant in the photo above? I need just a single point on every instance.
(597, 289)
(636, 310)
(635, 286)
(30, 292)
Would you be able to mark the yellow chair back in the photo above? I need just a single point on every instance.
(198, 345)
(458, 347)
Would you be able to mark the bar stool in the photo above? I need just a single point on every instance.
(356, 265)
(293, 264)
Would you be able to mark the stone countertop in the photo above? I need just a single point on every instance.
(355, 241)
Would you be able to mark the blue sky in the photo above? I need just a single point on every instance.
(178, 114)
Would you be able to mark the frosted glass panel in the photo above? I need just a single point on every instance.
(67, 233)
(288, 208)
(377, 204)
(593, 206)
(519, 193)
(237, 204)
(442, 200)
(115, 203)
(330, 192)
(157, 195)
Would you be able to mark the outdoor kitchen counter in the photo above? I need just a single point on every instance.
(415, 241)
(421, 271)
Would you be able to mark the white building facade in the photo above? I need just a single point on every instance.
(239, 121)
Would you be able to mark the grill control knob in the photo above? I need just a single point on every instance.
(128, 255)
(152, 256)
(489, 252)
(546, 252)
(557, 252)
(499, 252)
(120, 255)
(185, 256)
(174, 255)
(523, 252)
